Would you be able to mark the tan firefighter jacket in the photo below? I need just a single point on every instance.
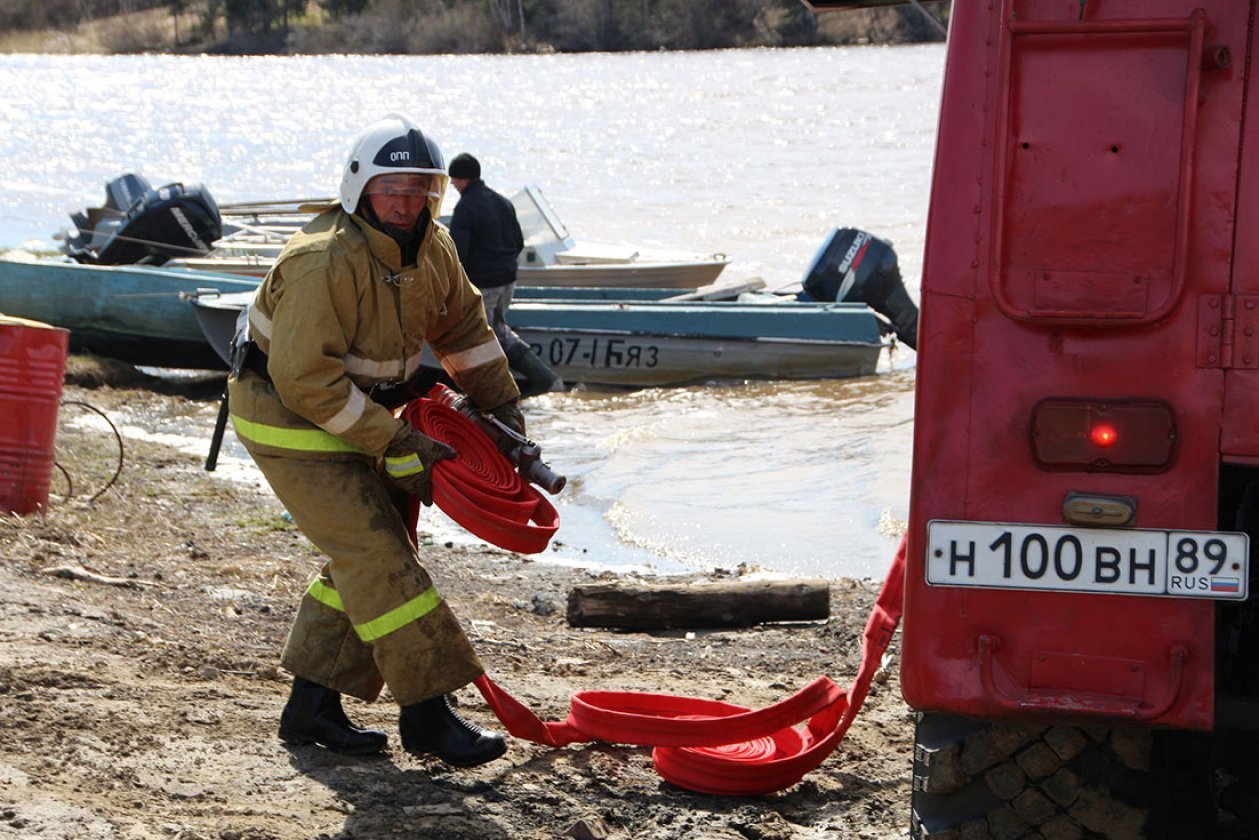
(338, 315)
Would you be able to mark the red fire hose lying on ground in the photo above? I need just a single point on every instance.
(701, 745)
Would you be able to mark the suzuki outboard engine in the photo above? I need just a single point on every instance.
(141, 225)
(855, 266)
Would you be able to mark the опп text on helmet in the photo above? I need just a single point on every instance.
(396, 157)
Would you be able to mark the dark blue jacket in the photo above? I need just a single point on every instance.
(487, 236)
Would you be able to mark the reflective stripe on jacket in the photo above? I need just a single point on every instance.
(338, 315)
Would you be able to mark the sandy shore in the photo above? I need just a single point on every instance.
(139, 692)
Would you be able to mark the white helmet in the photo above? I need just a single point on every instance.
(392, 145)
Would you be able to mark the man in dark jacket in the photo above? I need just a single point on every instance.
(488, 239)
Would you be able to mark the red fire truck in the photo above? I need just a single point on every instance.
(1079, 636)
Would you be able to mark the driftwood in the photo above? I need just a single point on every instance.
(696, 605)
(80, 573)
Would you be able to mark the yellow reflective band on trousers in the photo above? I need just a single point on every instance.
(413, 610)
(325, 595)
(370, 631)
(403, 465)
(302, 440)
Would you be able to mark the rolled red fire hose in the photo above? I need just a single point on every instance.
(480, 489)
(701, 745)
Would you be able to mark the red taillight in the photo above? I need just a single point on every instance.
(1094, 435)
(1103, 435)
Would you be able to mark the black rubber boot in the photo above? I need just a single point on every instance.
(433, 727)
(313, 715)
(538, 377)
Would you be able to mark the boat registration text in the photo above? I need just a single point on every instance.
(1002, 555)
(598, 352)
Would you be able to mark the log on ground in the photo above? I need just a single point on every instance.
(697, 605)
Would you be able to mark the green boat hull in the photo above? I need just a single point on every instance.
(137, 314)
(659, 343)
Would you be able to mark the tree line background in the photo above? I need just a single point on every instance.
(445, 26)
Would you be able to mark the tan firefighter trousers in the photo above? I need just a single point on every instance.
(372, 615)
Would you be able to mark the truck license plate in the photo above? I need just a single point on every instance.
(1003, 555)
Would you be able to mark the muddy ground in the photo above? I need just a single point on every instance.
(139, 688)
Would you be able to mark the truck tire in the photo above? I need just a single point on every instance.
(977, 780)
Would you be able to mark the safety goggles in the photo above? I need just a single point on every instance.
(400, 185)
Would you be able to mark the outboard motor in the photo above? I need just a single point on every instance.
(139, 225)
(855, 266)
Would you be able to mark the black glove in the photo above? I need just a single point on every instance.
(509, 415)
(410, 458)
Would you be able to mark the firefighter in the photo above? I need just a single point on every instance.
(340, 319)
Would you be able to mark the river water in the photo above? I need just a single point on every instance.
(757, 154)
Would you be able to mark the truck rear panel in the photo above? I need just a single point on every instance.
(1089, 341)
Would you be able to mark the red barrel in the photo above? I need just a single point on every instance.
(32, 365)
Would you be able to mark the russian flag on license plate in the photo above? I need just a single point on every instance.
(1225, 584)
